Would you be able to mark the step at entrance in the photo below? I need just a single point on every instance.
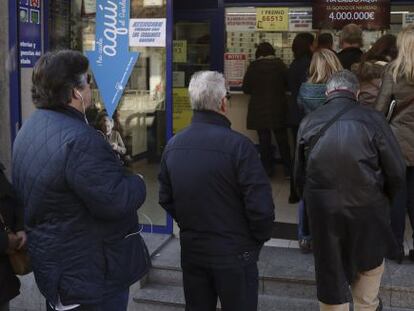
(286, 282)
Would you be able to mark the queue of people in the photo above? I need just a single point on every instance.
(353, 173)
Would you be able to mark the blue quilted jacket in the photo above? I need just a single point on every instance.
(80, 208)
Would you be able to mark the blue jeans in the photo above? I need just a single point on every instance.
(118, 302)
(403, 204)
(303, 223)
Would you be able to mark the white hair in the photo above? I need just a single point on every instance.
(343, 80)
(206, 90)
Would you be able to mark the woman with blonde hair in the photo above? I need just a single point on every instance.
(312, 93)
(311, 96)
(398, 85)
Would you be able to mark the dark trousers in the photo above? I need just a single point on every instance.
(117, 302)
(266, 154)
(236, 286)
(403, 204)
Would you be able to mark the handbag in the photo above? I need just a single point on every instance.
(19, 259)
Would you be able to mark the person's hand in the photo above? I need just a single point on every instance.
(22, 235)
(114, 146)
(14, 242)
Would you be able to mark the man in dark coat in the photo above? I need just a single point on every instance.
(351, 43)
(12, 237)
(352, 173)
(80, 204)
(213, 184)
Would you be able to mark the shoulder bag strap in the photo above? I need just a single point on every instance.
(322, 131)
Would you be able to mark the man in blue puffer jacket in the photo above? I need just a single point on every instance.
(80, 204)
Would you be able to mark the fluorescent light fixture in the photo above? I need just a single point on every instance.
(400, 12)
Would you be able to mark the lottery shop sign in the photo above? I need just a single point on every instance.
(369, 14)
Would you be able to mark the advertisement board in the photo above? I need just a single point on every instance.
(369, 14)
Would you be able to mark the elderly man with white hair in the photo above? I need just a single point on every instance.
(348, 167)
(213, 184)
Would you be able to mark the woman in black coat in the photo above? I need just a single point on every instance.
(13, 218)
(302, 48)
(265, 81)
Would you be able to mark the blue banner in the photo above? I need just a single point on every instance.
(111, 62)
(30, 32)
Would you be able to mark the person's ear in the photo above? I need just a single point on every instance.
(76, 94)
(223, 105)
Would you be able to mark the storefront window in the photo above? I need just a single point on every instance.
(140, 116)
(243, 35)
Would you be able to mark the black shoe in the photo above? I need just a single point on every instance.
(411, 254)
(398, 255)
(305, 246)
(379, 308)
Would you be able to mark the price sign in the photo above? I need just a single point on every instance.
(369, 14)
(272, 19)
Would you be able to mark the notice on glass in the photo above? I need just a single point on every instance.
(300, 19)
(182, 112)
(272, 19)
(369, 14)
(408, 19)
(178, 79)
(235, 65)
(148, 3)
(245, 22)
(89, 6)
(147, 32)
(179, 51)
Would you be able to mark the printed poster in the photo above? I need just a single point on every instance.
(148, 3)
(179, 51)
(182, 112)
(235, 65)
(89, 6)
(272, 19)
(408, 19)
(30, 32)
(147, 32)
(243, 22)
(300, 19)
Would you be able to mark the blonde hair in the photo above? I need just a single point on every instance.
(403, 66)
(324, 63)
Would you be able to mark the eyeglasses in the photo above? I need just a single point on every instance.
(228, 95)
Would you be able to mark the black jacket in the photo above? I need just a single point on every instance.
(297, 74)
(80, 208)
(13, 217)
(350, 56)
(213, 184)
(266, 82)
(352, 174)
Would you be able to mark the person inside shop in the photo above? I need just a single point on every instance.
(12, 238)
(265, 82)
(398, 85)
(106, 126)
(213, 184)
(348, 168)
(350, 41)
(80, 203)
(325, 41)
(312, 95)
(372, 66)
(302, 47)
